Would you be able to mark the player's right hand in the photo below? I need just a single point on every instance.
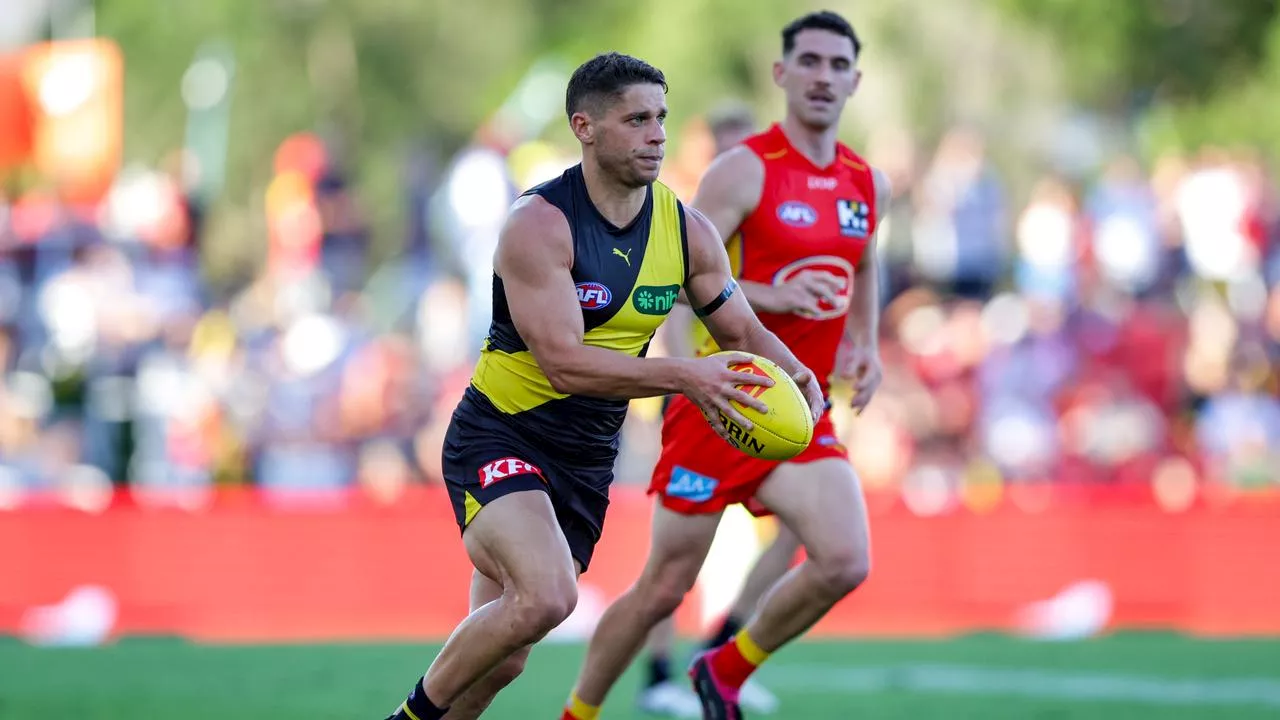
(711, 385)
(803, 293)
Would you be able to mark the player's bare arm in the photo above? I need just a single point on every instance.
(729, 192)
(677, 329)
(860, 351)
(732, 323)
(534, 257)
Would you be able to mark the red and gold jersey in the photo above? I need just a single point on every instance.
(808, 219)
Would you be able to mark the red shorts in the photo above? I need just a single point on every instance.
(699, 473)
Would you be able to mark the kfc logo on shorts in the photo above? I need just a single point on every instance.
(500, 470)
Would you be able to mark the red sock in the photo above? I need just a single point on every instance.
(733, 662)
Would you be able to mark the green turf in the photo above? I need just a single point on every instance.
(162, 679)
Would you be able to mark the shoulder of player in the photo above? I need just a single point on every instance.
(736, 175)
(883, 187)
(858, 164)
(880, 180)
(536, 228)
(701, 232)
(742, 161)
(696, 222)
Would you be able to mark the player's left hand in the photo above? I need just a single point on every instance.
(812, 392)
(860, 364)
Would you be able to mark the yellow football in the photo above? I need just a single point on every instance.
(786, 429)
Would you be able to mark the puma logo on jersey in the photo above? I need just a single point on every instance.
(624, 255)
(505, 468)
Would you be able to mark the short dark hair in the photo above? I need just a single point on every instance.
(605, 77)
(822, 20)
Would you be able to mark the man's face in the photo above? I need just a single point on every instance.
(818, 77)
(628, 139)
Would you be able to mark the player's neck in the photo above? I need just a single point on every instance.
(618, 203)
(819, 146)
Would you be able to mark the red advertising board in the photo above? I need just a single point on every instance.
(244, 569)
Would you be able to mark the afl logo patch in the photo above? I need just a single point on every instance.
(797, 214)
(593, 296)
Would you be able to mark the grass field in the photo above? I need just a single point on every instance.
(990, 677)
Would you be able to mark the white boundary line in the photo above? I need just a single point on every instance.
(980, 680)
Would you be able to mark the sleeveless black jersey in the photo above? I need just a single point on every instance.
(627, 280)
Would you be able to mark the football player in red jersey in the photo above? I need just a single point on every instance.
(661, 693)
(800, 210)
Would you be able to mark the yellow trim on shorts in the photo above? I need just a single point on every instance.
(472, 506)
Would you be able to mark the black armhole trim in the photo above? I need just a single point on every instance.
(684, 242)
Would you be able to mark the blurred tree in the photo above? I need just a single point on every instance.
(1124, 55)
(1243, 110)
(374, 76)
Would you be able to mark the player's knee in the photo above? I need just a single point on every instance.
(666, 589)
(509, 670)
(666, 598)
(843, 571)
(539, 610)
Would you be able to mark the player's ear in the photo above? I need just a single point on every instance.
(778, 70)
(582, 127)
(857, 80)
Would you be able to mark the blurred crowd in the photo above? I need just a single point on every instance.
(1121, 328)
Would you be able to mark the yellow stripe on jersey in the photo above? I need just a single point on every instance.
(513, 382)
(657, 285)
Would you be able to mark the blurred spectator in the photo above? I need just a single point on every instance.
(961, 223)
(1125, 228)
(1048, 241)
(1112, 329)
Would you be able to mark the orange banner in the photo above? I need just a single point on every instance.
(245, 569)
(62, 111)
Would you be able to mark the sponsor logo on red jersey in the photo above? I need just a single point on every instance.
(855, 218)
(839, 267)
(817, 182)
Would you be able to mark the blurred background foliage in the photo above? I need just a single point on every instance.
(365, 74)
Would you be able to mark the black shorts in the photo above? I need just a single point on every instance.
(486, 458)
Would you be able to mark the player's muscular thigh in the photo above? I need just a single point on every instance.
(822, 503)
